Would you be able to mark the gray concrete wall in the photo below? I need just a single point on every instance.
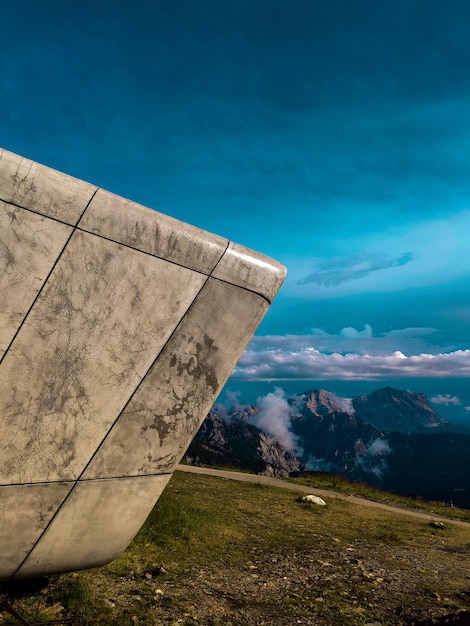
(118, 328)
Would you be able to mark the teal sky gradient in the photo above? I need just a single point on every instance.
(334, 136)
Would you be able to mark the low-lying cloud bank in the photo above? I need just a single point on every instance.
(309, 363)
(350, 355)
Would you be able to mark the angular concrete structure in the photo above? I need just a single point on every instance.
(118, 328)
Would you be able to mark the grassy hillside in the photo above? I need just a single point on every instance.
(218, 553)
(341, 484)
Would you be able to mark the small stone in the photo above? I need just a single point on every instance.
(437, 525)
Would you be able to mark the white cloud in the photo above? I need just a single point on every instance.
(378, 447)
(345, 405)
(309, 363)
(274, 418)
(407, 340)
(352, 333)
(352, 355)
(447, 399)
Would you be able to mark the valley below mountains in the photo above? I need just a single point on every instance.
(391, 439)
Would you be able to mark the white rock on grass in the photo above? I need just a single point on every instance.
(311, 499)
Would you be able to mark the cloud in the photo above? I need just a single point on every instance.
(231, 402)
(407, 340)
(345, 405)
(274, 418)
(447, 399)
(352, 333)
(373, 461)
(331, 273)
(417, 252)
(309, 363)
(317, 464)
(378, 447)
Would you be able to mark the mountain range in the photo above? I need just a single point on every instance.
(230, 440)
(389, 438)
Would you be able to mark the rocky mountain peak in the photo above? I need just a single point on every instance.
(231, 440)
(320, 402)
(397, 410)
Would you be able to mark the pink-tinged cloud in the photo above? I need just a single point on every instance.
(309, 363)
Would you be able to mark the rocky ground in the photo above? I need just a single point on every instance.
(329, 584)
(250, 555)
(334, 584)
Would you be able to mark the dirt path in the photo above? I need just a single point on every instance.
(323, 493)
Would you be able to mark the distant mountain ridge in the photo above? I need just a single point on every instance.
(395, 410)
(387, 408)
(390, 437)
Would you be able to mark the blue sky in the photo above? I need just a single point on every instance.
(334, 136)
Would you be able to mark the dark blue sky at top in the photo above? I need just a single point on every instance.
(334, 136)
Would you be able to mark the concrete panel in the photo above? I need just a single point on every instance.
(166, 411)
(25, 511)
(43, 190)
(95, 525)
(251, 270)
(117, 335)
(29, 247)
(94, 332)
(144, 229)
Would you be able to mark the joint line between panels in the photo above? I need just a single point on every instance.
(45, 281)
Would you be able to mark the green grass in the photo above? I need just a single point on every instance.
(220, 552)
(340, 484)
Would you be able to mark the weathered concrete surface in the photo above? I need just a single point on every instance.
(118, 328)
(95, 524)
(155, 429)
(43, 190)
(25, 512)
(29, 247)
(149, 231)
